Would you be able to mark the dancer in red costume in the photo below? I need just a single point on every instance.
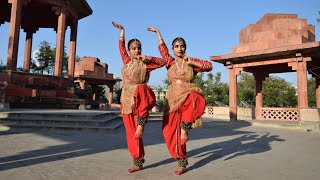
(136, 97)
(185, 103)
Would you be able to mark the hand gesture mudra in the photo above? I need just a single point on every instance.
(143, 58)
(187, 59)
(152, 29)
(116, 25)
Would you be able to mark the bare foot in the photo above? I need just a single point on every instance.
(180, 171)
(134, 169)
(139, 132)
(184, 136)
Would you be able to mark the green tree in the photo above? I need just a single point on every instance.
(118, 92)
(2, 66)
(312, 92)
(198, 80)
(246, 88)
(278, 93)
(215, 90)
(45, 58)
(166, 82)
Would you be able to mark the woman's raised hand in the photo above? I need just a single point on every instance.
(152, 29)
(118, 26)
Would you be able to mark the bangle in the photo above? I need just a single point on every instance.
(147, 59)
(141, 121)
(160, 40)
(186, 126)
(121, 37)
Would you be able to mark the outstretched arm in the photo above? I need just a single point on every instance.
(199, 65)
(152, 29)
(122, 47)
(152, 62)
(118, 26)
(162, 47)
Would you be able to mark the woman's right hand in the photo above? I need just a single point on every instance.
(152, 29)
(118, 26)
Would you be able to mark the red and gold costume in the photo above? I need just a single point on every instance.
(185, 102)
(136, 97)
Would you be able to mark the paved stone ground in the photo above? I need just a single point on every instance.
(220, 150)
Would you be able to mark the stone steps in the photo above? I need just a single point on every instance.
(62, 120)
(155, 117)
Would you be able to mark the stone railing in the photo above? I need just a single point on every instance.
(280, 114)
(223, 113)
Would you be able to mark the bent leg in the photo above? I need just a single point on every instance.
(135, 146)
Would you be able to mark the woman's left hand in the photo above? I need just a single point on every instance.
(188, 60)
(144, 59)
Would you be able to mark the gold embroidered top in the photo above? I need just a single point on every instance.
(181, 77)
(133, 74)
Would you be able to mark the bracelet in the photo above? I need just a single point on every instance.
(186, 126)
(160, 40)
(141, 121)
(147, 59)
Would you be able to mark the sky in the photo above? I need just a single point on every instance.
(209, 27)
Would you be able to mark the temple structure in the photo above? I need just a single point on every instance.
(277, 43)
(91, 72)
(18, 88)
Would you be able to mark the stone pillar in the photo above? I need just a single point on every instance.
(27, 52)
(318, 91)
(83, 84)
(15, 23)
(259, 96)
(302, 82)
(95, 92)
(60, 41)
(72, 49)
(110, 95)
(232, 95)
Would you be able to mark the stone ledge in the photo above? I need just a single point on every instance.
(310, 125)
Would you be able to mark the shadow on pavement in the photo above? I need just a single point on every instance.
(247, 143)
(77, 144)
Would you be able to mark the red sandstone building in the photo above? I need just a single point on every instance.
(276, 43)
(23, 88)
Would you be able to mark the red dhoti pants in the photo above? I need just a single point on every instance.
(144, 101)
(189, 111)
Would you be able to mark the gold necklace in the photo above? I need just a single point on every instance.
(180, 70)
(129, 67)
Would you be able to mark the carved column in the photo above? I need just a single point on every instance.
(60, 40)
(95, 92)
(83, 84)
(302, 81)
(15, 23)
(72, 49)
(318, 91)
(110, 95)
(259, 96)
(27, 52)
(233, 73)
